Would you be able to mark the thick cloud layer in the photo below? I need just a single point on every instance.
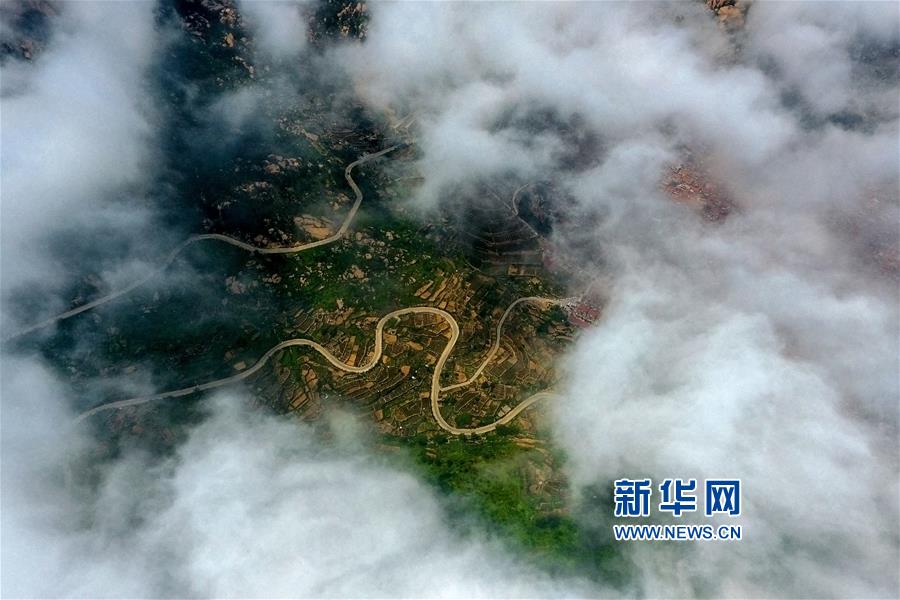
(77, 133)
(251, 506)
(762, 347)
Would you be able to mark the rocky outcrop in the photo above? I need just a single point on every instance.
(730, 13)
(690, 183)
(26, 27)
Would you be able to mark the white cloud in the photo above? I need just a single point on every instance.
(77, 127)
(250, 506)
(811, 48)
(763, 347)
(277, 26)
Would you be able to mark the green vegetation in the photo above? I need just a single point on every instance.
(463, 420)
(555, 315)
(483, 475)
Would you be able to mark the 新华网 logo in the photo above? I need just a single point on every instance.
(633, 498)
(677, 496)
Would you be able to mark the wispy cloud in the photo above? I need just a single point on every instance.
(763, 347)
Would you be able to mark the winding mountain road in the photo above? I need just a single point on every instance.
(436, 388)
(495, 347)
(345, 225)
